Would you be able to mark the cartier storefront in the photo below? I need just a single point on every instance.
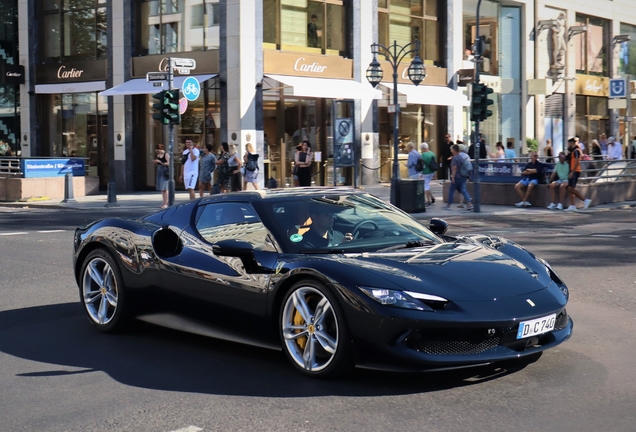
(72, 118)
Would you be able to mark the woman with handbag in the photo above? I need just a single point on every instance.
(162, 160)
(303, 162)
(251, 167)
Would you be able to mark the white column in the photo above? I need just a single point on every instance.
(366, 29)
(119, 107)
(24, 140)
(569, 111)
(454, 55)
(243, 73)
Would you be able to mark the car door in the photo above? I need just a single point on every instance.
(202, 278)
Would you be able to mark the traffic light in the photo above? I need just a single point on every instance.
(158, 106)
(479, 104)
(171, 105)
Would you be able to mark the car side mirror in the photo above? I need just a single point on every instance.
(438, 226)
(242, 250)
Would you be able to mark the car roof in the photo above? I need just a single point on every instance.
(284, 194)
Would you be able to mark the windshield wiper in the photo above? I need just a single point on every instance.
(322, 251)
(407, 245)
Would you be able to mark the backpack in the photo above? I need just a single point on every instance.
(433, 165)
(251, 162)
(419, 165)
(466, 167)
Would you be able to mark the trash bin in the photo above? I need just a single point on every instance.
(411, 197)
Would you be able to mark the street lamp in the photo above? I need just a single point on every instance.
(394, 54)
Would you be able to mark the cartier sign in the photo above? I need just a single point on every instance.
(71, 71)
(310, 65)
(13, 74)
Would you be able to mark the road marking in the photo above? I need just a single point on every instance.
(51, 231)
(605, 235)
(188, 429)
(13, 233)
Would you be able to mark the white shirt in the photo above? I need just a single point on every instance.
(191, 166)
(614, 151)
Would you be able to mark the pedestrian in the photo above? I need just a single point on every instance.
(190, 167)
(580, 143)
(483, 151)
(602, 140)
(548, 151)
(460, 171)
(429, 171)
(224, 171)
(412, 162)
(531, 173)
(303, 162)
(207, 165)
(250, 159)
(595, 151)
(614, 149)
(162, 161)
(574, 159)
(500, 154)
(235, 164)
(510, 154)
(632, 152)
(299, 149)
(559, 180)
(445, 157)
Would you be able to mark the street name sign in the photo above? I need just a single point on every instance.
(157, 76)
(184, 63)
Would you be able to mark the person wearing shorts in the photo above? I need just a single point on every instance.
(427, 173)
(559, 180)
(531, 174)
(574, 159)
(190, 169)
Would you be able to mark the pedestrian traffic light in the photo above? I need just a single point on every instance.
(158, 106)
(479, 103)
(171, 103)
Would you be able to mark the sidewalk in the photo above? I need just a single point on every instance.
(151, 200)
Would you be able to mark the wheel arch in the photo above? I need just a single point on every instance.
(86, 250)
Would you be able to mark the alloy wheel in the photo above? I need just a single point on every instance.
(99, 291)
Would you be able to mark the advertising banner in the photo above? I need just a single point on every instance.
(38, 168)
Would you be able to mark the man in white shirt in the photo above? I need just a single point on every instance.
(614, 149)
(190, 169)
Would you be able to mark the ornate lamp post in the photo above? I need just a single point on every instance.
(394, 54)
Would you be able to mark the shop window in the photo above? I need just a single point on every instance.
(168, 26)
(316, 26)
(404, 21)
(488, 34)
(73, 29)
(627, 53)
(591, 47)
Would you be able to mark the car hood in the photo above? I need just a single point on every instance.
(456, 271)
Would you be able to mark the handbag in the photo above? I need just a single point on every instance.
(166, 173)
(242, 171)
(295, 170)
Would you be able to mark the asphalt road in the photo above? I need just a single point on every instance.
(59, 374)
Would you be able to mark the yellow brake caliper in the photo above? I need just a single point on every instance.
(298, 320)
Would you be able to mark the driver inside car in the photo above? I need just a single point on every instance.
(321, 233)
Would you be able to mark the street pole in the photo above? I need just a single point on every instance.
(171, 183)
(628, 115)
(395, 178)
(476, 179)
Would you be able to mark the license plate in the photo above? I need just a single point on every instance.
(536, 326)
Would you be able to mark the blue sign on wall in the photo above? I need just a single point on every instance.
(38, 168)
(506, 172)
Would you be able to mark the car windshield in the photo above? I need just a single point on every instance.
(343, 223)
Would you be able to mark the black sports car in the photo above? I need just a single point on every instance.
(334, 277)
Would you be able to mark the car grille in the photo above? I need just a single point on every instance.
(452, 341)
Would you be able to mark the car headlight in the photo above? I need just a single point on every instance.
(404, 299)
(555, 278)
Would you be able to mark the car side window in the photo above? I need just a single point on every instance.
(232, 221)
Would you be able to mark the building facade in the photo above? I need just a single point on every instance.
(275, 72)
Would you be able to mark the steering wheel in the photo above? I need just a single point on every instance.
(356, 228)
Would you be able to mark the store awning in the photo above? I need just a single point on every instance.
(430, 95)
(74, 87)
(140, 86)
(326, 88)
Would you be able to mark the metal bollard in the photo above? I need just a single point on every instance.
(69, 196)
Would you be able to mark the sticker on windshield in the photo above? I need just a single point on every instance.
(295, 238)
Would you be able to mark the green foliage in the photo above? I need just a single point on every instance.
(532, 144)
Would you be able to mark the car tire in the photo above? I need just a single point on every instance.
(102, 292)
(313, 330)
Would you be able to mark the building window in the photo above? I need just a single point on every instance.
(627, 53)
(591, 47)
(407, 20)
(169, 26)
(316, 26)
(488, 35)
(73, 30)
